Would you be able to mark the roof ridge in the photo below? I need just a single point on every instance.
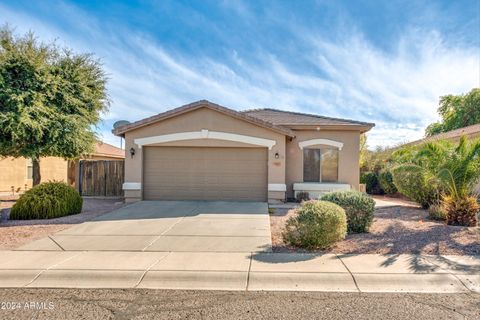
(190, 106)
(309, 115)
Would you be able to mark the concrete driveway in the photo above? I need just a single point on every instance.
(175, 226)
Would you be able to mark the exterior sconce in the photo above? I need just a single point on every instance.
(132, 152)
(277, 155)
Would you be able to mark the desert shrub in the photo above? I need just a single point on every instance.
(411, 182)
(47, 200)
(318, 224)
(302, 196)
(370, 179)
(385, 179)
(437, 212)
(358, 207)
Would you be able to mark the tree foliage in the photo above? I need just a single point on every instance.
(450, 170)
(50, 99)
(456, 112)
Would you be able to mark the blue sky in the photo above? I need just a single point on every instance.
(386, 62)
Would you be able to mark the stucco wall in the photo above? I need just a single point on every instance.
(13, 172)
(197, 120)
(348, 162)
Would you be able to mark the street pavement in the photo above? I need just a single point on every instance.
(145, 304)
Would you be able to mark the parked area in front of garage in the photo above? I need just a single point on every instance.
(189, 226)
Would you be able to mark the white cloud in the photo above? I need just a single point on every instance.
(397, 90)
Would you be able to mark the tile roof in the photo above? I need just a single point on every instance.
(276, 120)
(107, 150)
(285, 118)
(469, 131)
(199, 104)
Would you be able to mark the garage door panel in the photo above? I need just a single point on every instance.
(205, 173)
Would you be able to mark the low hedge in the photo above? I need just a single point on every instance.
(385, 179)
(358, 206)
(372, 184)
(410, 181)
(317, 225)
(46, 201)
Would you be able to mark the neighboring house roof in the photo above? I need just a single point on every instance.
(103, 149)
(472, 131)
(120, 131)
(289, 118)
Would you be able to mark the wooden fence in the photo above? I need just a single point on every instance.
(101, 178)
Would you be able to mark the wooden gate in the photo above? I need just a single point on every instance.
(101, 178)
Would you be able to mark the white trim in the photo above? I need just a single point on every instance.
(132, 186)
(205, 134)
(333, 143)
(307, 186)
(277, 187)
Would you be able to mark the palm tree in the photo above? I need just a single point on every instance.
(456, 169)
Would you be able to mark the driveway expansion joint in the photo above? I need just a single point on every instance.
(249, 270)
(350, 272)
(171, 227)
(150, 267)
(50, 267)
(51, 238)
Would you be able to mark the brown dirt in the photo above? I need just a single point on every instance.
(15, 233)
(396, 230)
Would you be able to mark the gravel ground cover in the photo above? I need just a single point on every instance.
(404, 228)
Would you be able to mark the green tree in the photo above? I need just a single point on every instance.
(453, 170)
(50, 99)
(457, 112)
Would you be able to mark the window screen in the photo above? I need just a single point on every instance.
(320, 165)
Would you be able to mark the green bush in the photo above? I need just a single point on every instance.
(46, 201)
(385, 180)
(318, 224)
(437, 212)
(411, 182)
(358, 207)
(372, 185)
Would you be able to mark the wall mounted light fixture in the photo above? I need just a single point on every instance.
(132, 152)
(277, 155)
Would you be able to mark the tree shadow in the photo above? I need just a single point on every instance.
(277, 258)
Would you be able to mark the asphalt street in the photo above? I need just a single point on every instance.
(168, 304)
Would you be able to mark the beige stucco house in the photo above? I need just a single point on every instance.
(16, 173)
(203, 151)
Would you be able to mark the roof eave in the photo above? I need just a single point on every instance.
(120, 131)
(348, 127)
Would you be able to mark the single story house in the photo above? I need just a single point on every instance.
(204, 151)
(16, 173)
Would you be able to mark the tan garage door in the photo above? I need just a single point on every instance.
(199, 173)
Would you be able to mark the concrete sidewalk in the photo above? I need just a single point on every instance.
(240, 271)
